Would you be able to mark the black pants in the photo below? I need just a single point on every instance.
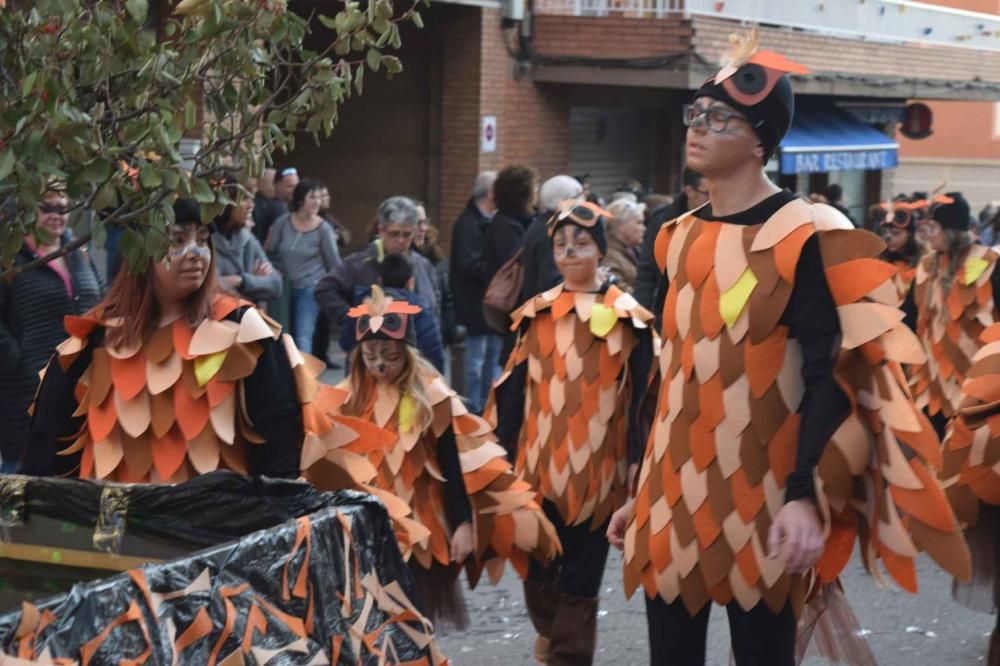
(578, 571)
(939, 422)
(759, 637)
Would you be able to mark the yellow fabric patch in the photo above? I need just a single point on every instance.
(974, 267)
(407, 412)
(602, 319)
(205, 367)
(732, 302)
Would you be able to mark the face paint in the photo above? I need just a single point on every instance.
(576, 254)
(384, 359)
(185, 242)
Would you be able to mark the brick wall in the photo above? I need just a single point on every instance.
(610, 37)
(460, 112)
(847, 56)
(623, 37)
(479, 80)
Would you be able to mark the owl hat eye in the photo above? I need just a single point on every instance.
(381, 317)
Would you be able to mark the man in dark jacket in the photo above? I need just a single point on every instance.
(468, 279)
(650, 285)
(397, 222)
(274, 204)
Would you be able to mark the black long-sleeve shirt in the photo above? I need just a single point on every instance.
(510, 397)
(456, 498)
(811, 317)
(271, 400)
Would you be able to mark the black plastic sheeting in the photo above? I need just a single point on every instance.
(307, 591)
(204, 511)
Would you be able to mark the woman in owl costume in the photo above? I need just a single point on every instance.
(567, 407)
(442, 461)
(169, 377)
(902, 249)
(971, 475)
(955, 296)
(783, 428)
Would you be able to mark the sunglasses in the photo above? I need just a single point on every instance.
(51, 209)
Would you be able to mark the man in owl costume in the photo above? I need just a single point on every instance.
(783, 427)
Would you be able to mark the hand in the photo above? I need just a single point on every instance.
(796, 536)
(461, 543)
(619, 521)
(232, 281)
(262, 268)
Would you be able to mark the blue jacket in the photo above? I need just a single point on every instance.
(429, 341)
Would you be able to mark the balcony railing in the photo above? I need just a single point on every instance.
(900, 21)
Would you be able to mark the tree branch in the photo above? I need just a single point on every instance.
(75, 244)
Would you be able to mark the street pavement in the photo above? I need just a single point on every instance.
(928, 629)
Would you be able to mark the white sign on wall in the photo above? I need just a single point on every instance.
(488, 135)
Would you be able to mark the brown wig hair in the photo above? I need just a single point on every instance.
(132, 297)
(514, 189)
(959, 241)
(409, 383)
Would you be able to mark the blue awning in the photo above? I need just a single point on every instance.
(830, 139)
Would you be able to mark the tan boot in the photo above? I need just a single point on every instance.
(574, 632)
(541, 601)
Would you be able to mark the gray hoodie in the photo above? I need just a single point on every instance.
(235, 254)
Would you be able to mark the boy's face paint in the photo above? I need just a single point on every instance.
(384, 359)
(576, 254)
(184, 269)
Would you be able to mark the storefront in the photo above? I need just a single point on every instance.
(828, 144)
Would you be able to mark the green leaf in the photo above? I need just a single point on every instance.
(170, 178)
(28, 83)
(7, 160)
(373, 58)
(131, 248)
(392, 64)
(106, 197)
(417, 20)
(96, 171)
(359, 79)
(201, 192)
(138, 9)
(190, 114)
(149, 177)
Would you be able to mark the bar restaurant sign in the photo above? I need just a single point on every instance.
(812, 161)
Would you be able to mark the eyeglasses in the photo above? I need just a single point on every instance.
(714, 118)
(51, 209)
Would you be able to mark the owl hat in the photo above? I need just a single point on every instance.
(755, 84)
(382, 317)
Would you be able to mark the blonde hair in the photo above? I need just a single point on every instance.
(410, 383)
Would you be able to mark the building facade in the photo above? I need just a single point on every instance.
(595, 87)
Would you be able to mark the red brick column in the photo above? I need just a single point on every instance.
(479, 80)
